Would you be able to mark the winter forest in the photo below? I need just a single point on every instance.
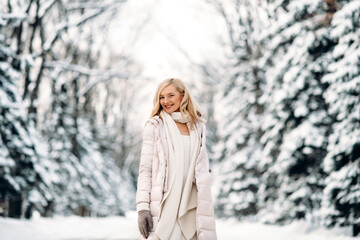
(278, 81)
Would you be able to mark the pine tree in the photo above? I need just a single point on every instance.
(91, 183)
(341, 204)
(44, 44)
(26, 178)
(237, 104)
(296, 123)
(297, 113)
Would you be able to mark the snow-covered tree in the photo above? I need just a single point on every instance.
(237, 111)
(52, 45)
(296, 122)
(341, 204)
(27, 176)
(296, 117)
(71, 127)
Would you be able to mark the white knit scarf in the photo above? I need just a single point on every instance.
(180, 198)
(178, 117)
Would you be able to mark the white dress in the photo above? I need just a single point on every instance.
(187, 157)
(176, 233)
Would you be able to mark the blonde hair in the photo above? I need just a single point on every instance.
(187, 105)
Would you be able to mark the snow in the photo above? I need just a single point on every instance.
(110, 228)
(293, 93)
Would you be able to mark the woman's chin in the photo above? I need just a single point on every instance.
(169, 111)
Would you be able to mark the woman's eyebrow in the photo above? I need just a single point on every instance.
(167, 94)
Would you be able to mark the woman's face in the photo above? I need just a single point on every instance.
(170, 99)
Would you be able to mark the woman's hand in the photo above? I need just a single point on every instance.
(145, 222)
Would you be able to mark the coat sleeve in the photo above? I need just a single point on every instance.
(145, 168)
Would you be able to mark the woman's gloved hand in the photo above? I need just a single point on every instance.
(145, 222)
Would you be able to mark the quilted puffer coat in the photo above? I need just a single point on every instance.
(153, 173)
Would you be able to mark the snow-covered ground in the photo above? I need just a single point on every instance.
(121, 228)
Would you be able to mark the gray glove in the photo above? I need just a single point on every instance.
(145, 222)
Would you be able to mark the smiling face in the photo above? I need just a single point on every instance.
(170, 99)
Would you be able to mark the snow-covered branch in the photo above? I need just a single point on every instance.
(97, 75)
(229, 24)
(83, 70)
(45, 7)
(91, 5)
(64, 26)
(13, 16)
(99, 79)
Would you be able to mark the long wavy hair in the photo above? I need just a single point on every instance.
(187, 105)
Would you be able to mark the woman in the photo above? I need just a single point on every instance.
(173, 194)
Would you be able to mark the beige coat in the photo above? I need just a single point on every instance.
(153, 173)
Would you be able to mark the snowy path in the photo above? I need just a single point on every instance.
(121, 228)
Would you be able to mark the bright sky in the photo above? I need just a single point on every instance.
(166, 37)
(156, 31)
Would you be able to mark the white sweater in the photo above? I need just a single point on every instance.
(177, 232)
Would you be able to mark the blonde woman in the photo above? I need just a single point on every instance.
(173, 196)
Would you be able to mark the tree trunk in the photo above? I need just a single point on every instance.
(32, 109)
(29, 211)
(15, 203)
(331, 7)
(356, 229)
(4, 208)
